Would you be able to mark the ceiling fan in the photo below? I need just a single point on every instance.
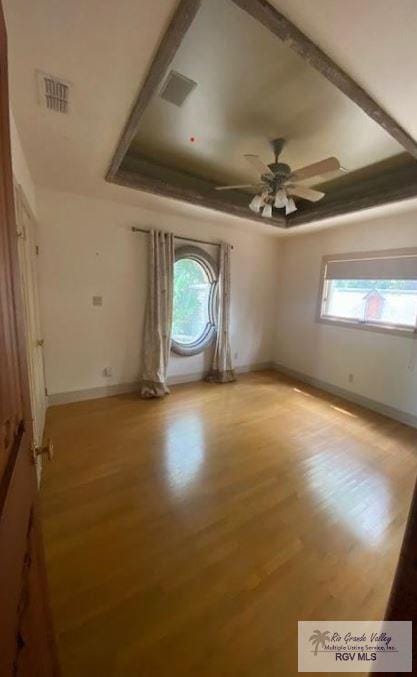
(279, 183)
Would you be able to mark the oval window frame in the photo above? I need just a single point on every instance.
(210, 267)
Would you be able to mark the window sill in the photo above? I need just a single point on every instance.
(406, 332)
(186, 350)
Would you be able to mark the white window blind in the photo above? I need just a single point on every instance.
(402, 267)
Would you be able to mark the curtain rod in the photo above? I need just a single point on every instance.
(179, 237)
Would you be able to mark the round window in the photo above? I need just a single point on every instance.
(193, 324)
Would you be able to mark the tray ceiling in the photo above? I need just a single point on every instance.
(252, 87)
(106, 50)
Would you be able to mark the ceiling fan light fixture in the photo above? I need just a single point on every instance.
(280, 198)
(278, 182)
(267, 211)
(256, 204)
(290, 207)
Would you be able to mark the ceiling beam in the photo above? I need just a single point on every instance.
(181, 186)
(394, 186)
(197, 192)
(283, 28)
(180, 23)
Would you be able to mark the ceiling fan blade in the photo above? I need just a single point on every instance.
(330, 164)
(258, 164)
(305, 193)
(242, 185)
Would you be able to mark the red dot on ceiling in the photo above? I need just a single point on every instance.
(192, 139)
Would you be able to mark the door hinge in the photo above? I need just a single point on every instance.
(48, 449)
(46, 391)
(37, 249)
(22, 233)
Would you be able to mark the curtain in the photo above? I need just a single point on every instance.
(222, 368)
(158, 315)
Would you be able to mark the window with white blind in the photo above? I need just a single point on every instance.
(374, 290)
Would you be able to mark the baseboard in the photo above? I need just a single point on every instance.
(260, 366)
(121, 388)
(384, 409)
(177, 379)
(91, 393)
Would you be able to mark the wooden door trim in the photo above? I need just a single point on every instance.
(26, 633)
(402, 603)
(6, 178)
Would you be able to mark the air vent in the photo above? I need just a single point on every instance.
(177, 88)
(53, 92)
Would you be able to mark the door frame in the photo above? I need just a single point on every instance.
(27, 645)
(27, 247)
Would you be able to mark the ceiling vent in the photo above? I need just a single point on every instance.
(53, 92)
(177, 88)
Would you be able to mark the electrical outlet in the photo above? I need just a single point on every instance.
(107, 372)
(351, 378)
(235, 356)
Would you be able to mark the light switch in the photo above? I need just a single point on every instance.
(97, 300)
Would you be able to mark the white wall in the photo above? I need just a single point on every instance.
(384, 366)
(87, 248)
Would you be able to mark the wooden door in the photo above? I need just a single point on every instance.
(26, 638)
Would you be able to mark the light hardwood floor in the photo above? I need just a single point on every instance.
(188, 536)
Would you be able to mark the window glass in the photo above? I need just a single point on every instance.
(387, 302)
(192, 299)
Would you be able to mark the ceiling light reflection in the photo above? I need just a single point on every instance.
(355, 492)
(184, 451)
(302, 392)
(343, 411)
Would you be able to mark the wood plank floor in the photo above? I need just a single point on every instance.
(188, 536)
